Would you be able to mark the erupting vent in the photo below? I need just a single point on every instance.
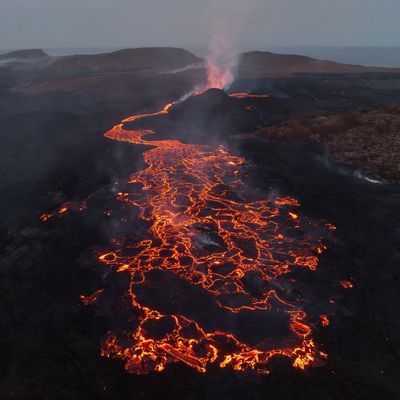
(208, 232)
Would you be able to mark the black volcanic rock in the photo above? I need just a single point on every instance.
(368, 140)
(211, 114)
(213, 101)
(158, 58)
(205, 118)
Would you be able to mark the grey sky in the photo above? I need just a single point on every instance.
(188, 23)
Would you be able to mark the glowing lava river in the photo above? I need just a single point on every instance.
(210, 234)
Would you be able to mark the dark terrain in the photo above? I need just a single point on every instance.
(53, 113)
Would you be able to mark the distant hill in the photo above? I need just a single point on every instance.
(162, 58)
(131, 69)
(266, 64)
(16, 59)
(24, 55)
(168, 59)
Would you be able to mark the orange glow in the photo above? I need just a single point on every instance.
(347, 284)
(63, 209)
(204, 235)
(324, 320)
(86, 300)
(248, 96)
(217, 77)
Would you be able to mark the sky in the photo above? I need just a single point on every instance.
(255, 24)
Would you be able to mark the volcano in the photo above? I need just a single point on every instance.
(211, 244)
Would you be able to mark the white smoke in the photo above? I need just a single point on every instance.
(228, 21)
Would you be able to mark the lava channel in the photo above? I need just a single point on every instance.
(207, 282)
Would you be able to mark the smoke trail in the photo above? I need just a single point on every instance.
(229, 18)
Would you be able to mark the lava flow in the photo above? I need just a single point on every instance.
(208, 231)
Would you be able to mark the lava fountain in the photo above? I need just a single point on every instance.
(221, 64)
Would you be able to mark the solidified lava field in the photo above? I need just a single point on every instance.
(182, 254)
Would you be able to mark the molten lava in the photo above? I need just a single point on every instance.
(90, 299)
(347, 284)
(63, 209)
(207, 229)
(248, 96)
(324, 320)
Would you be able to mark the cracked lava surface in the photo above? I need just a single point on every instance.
(209, 230)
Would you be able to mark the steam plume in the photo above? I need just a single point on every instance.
(229, 18)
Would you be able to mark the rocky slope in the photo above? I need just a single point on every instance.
(368, 140)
